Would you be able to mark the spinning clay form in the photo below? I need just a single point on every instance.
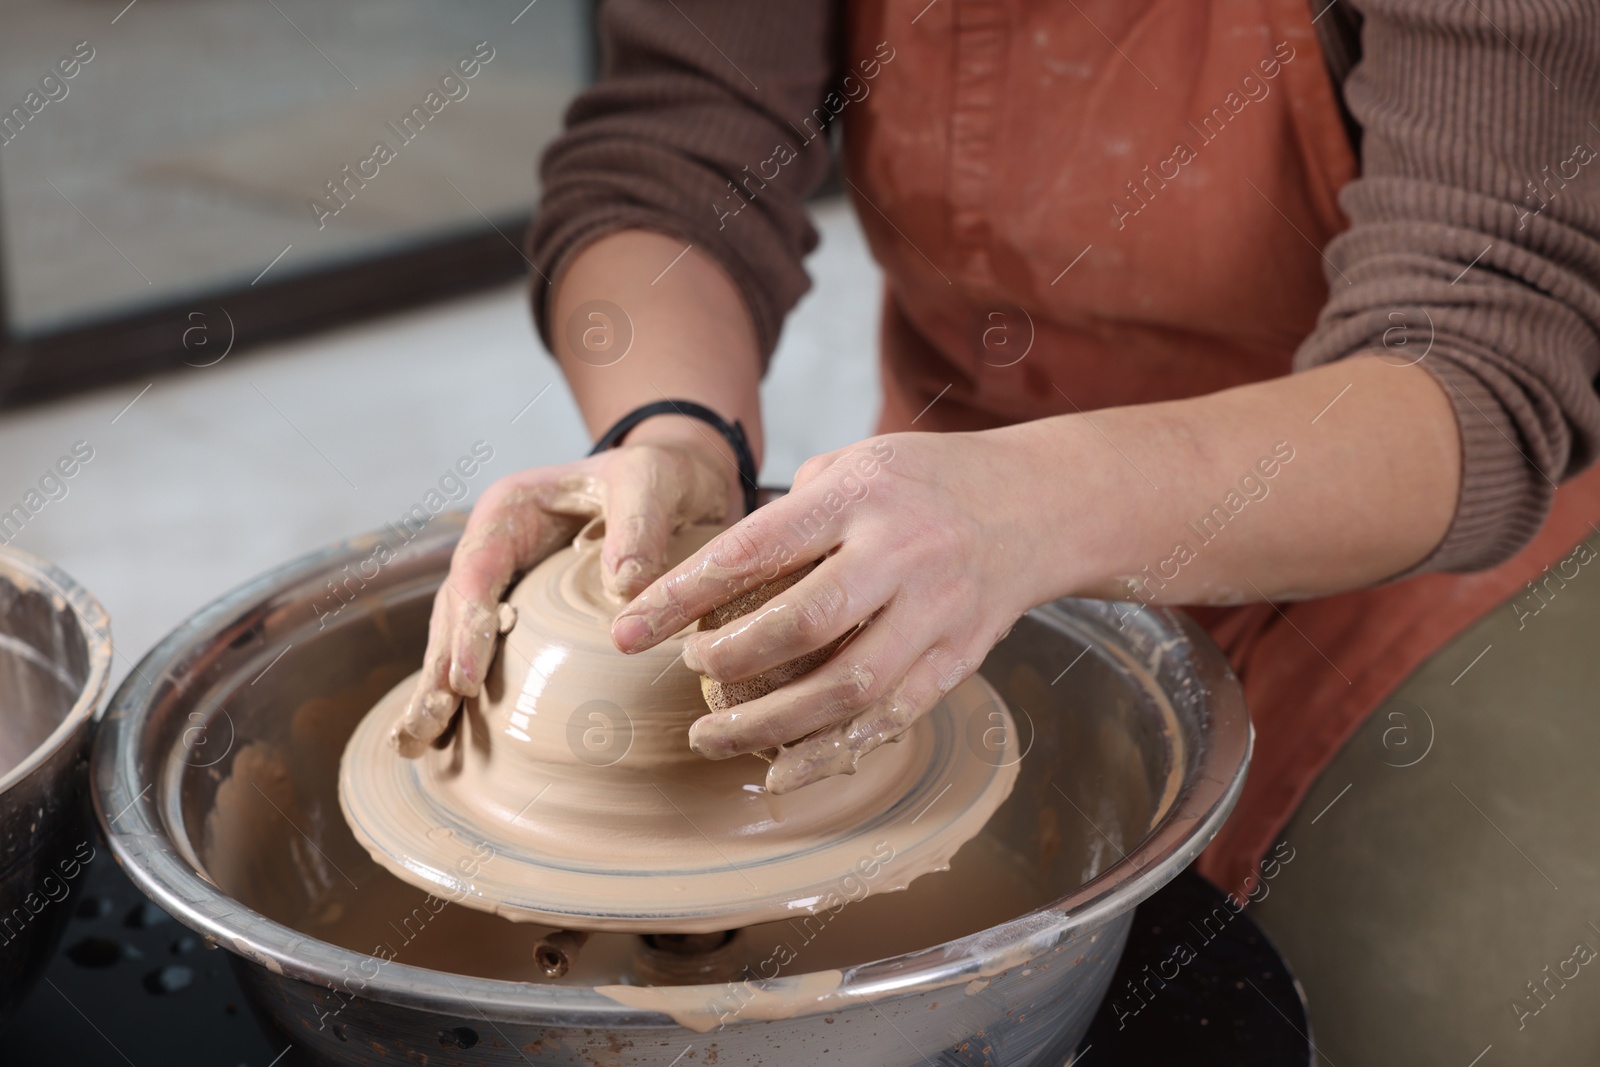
(567, 794)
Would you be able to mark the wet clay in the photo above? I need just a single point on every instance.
(566, 793)
(322, 884)
(533, 519)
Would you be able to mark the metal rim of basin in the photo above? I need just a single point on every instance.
(138, 831)
(96, 628)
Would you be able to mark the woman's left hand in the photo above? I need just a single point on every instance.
(922, 538)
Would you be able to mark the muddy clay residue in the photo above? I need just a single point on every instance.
(275, 842)
(567, 792)
(703, 1009)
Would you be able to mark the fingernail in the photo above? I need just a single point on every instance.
(428, 714)
(708, 737)
(783, 777)
(691, 656)
(628, 631)
(628, 574)
(406, 743)
(464, 680)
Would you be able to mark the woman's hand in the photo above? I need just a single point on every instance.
(938, 542)
(644, 491)
(923, 547)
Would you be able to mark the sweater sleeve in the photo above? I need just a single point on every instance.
(698, 129)
(1474, 245)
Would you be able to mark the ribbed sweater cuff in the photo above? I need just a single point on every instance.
(1503, 500)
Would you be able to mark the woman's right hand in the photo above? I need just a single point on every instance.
(645, 492)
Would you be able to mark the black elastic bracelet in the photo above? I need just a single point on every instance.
(733, 432)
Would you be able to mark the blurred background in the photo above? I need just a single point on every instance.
(256, 375)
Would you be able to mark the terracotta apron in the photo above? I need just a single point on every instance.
(1066, 223)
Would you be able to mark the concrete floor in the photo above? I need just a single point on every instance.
(203, 478)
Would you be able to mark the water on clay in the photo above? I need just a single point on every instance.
(322, 883)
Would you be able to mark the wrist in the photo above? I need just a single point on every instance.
(1063, 504)
(699, 440)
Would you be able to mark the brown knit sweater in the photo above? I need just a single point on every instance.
(1475, 224)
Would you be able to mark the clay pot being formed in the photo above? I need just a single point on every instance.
(567, 792)
(1137, 742)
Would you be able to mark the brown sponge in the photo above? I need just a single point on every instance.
(722, 695)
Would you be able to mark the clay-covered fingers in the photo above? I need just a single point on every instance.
(739, 560)
(809, 615)
(838, 748)
(432, 702)
(645, 493)
(514, 526)
(509, 529)
(856, 678)
(651, 492)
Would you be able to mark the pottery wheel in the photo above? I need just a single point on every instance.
(567, 793)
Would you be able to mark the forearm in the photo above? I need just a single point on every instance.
(1173, 502)
(687, 332)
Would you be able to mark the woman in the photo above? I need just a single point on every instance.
(1110, 232)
